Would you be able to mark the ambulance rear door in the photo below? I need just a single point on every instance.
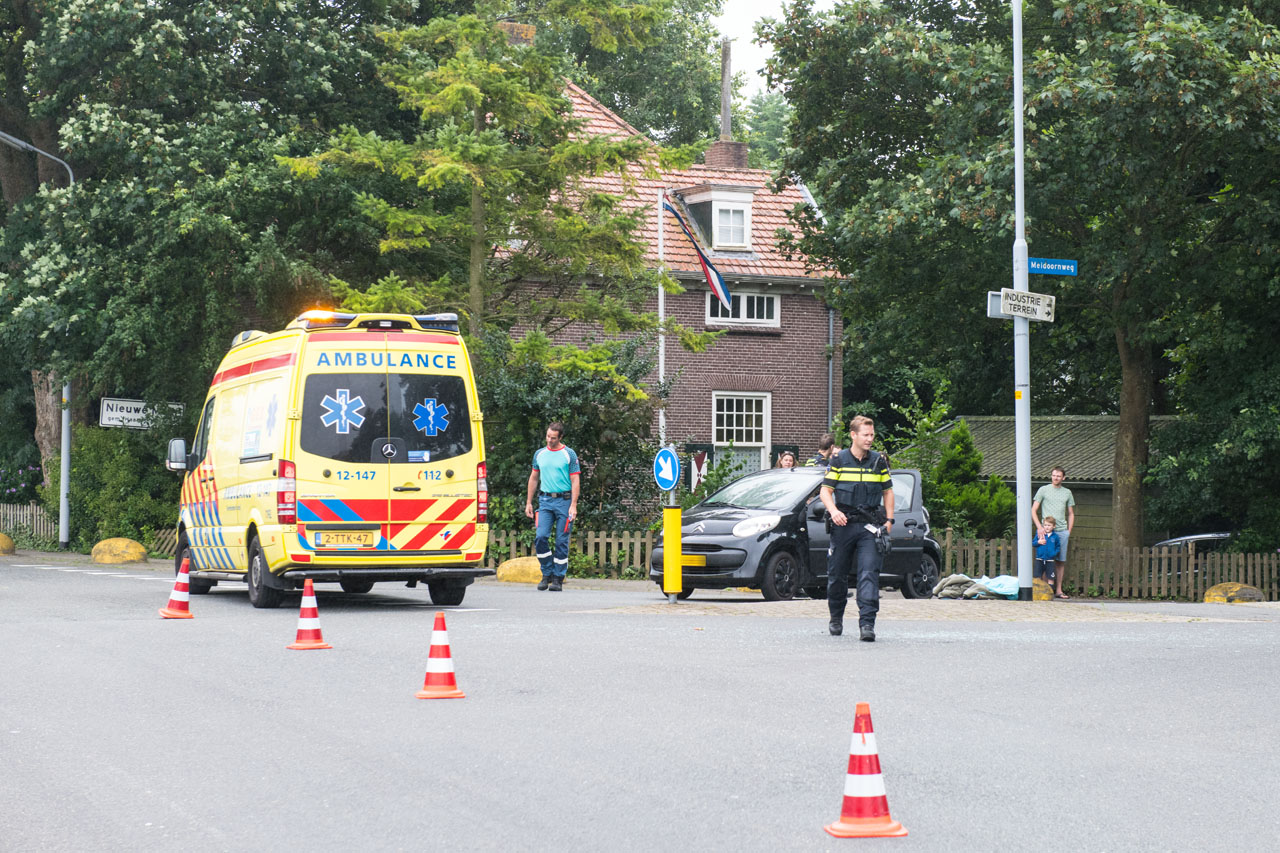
(343, 450)
(433, 492)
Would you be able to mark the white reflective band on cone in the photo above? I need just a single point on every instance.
(857, 785)
(860, 748)
(439, 664)
(439, 638)
(308, 623)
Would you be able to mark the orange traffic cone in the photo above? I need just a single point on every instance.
(865, 811)
(309, 635)
(440, 683)
(180, 599)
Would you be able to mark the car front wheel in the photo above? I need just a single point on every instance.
(194, 586)
(920, 582)
(261, 595)
(778, 583)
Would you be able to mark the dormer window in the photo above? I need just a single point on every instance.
(731, 226)
(722, 213)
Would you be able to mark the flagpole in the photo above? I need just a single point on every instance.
(662, 338)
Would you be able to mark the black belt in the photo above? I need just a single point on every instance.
(555, 494)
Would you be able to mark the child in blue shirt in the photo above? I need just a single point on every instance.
(1046, 551)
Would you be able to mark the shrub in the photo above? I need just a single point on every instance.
(18, 483)
(119, 486)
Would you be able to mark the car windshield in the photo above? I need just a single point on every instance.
(779, 490)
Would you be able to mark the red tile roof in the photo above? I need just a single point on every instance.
(768, 209)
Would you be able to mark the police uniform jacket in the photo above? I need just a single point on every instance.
(858, 484)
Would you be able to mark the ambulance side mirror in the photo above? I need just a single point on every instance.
(177, 459)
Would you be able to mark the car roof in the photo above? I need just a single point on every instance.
(1191, 537)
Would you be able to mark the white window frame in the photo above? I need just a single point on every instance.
(713, 308)
(728, 207)
(767, 427)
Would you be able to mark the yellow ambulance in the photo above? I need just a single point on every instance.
(347, 448)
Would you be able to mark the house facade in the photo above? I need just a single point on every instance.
(772, 381)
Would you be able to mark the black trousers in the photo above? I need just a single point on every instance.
(854, 546)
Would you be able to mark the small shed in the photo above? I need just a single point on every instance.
(1083, 445)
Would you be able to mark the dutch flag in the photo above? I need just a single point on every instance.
(714, 280)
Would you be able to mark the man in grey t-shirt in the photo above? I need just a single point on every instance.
(1055, 500)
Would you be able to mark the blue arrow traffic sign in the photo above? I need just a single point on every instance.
(1051, 266)
(666, 469)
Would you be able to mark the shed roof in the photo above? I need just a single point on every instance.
(1083, 445)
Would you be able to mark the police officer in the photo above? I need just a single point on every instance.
(555, 478)
(826, 450)
(858, 495)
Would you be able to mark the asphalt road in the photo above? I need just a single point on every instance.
(605, 719)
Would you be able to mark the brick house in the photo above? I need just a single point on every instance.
(772, 381)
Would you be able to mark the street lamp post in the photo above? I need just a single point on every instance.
(64, 484)
(1021, 332)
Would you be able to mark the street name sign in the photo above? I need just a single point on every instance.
(1030, 306)
(1051, 266)
(131, 414)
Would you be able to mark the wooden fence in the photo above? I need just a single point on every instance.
(30, 517)
(1124, 572)
(613, 551)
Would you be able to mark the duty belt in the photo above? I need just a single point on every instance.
(555, 494)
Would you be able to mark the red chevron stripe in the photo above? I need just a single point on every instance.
(456, 510)
(426, 535)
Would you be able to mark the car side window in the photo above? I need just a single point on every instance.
(201, 443)
(904, 489)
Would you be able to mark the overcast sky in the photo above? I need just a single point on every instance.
(738, 22)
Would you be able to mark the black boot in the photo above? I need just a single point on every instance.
(546, 579)
(836, 627)
(868, 634)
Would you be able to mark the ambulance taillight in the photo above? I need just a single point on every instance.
(482, 495)
(287, 493)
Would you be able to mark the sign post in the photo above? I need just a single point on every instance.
(666, 473)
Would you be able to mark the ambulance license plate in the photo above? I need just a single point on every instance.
(345, 538)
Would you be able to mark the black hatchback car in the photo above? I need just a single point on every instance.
(767, 531)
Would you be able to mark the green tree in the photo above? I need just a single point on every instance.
(763, 126)
(666, 86)
(497, 185)
(1151, 141)
(182, 228)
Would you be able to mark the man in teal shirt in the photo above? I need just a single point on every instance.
(1056, 500)
(555, 478)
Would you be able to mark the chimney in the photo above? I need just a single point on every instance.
(725, 153)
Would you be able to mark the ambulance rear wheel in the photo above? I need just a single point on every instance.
(355, 586)
(194, 586)
(261, 595)
(446, 593)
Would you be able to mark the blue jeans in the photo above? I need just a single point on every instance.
(552, 519)
(853, 545)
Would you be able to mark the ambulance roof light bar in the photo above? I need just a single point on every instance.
(444, 322)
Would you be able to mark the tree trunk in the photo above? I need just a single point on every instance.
(1131, 438)
(475, 285)
(48, 394)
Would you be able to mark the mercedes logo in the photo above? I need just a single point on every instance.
(389, 450)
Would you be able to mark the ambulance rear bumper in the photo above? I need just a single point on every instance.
(384, 573)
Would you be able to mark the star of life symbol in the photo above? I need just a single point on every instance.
(432, 417)
(343, 412)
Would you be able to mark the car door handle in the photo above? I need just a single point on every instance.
(911, 524)
(406, 488)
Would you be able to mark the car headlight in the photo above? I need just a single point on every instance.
(755, 526)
